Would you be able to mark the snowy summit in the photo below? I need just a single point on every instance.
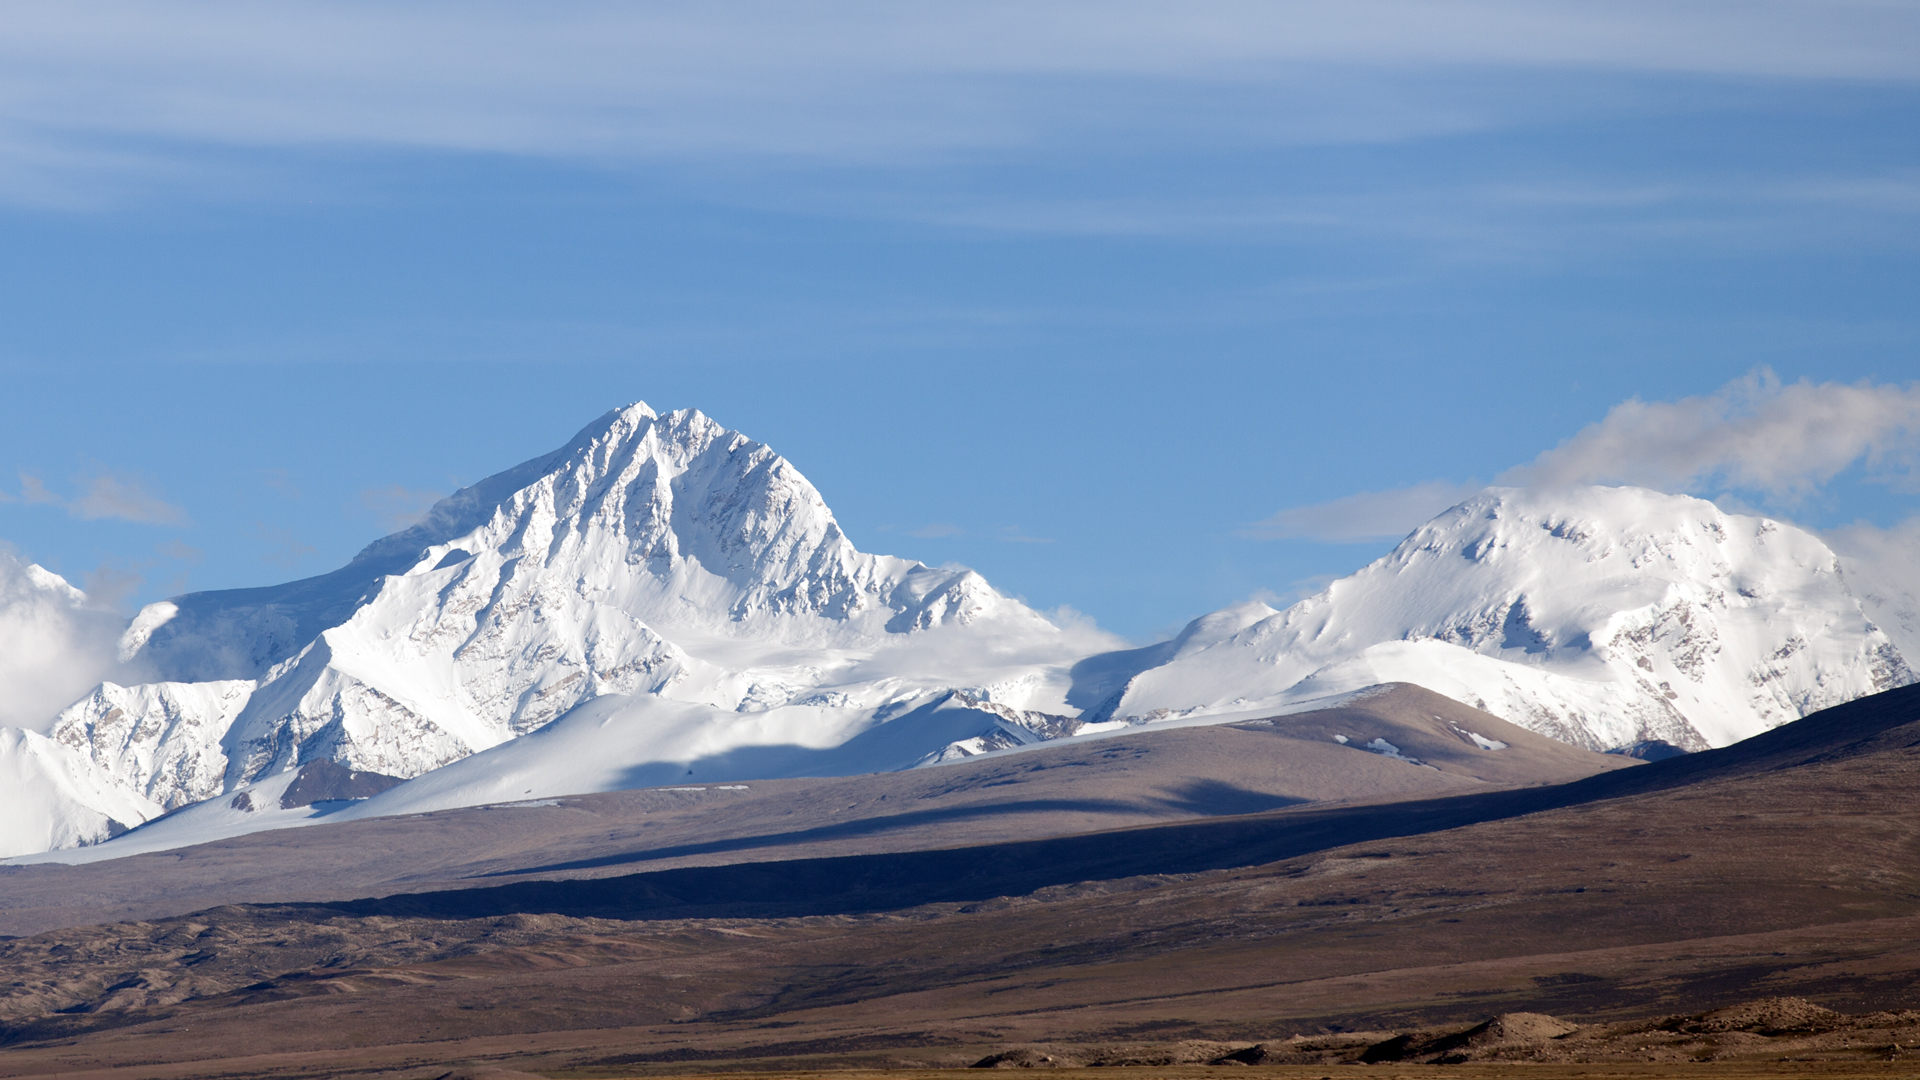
(664, 601)
(1599, 616)
(653, 559)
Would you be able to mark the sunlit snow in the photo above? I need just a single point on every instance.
(664, 602)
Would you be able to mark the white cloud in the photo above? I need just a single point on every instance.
(1753, 434)
(1369, 515)
(935, 531)
(1883, 571)
(103, 86)
(54, 644)
(122, 498)
(34, 492)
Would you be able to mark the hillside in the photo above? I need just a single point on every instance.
(1071, 786)
(1781, 867)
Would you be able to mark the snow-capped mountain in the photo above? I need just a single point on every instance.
(1599, 616)
(664, 599)
(652, 559)
(52, 644)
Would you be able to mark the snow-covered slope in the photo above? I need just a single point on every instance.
(653, 559)
(663, 598)
(1599, 616)
(161, 741)
(1883, 570)
(52, 643)
(52, 796)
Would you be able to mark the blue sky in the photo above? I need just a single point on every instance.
(1078, 295)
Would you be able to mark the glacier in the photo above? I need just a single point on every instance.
(664, 600)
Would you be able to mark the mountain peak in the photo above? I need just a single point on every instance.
(700, 518)
(1599, 615)
(686, 506)
(653, 556)
(662, 592)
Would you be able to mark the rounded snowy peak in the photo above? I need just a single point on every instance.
(1520, 572)
(1601, 615)
(1570, 554)
(1579, 514)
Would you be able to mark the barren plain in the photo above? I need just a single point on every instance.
(1712, 914)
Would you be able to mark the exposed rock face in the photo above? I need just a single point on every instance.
(322, 780)
(160, 740)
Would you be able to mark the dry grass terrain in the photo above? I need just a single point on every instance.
(1055, 790)
(1630, 906)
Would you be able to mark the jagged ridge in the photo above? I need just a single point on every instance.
(571, 577)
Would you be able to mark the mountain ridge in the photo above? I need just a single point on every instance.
(652, 555)
(662, 596)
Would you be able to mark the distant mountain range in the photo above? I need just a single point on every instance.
(664, 598)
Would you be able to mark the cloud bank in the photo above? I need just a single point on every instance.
(54, 645)
(1753, 434)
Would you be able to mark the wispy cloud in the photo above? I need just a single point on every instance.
(1014, 534)
(1895, 549)
(936, 530)
(284, 549)
(105, 86)
(105, 496)
(1368, 515)
(123, 498)
(187, 553)
(1883, 571)
(1754, 433)
(398, 507)
(109, 586)
(1459, 220)
(33, 492)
